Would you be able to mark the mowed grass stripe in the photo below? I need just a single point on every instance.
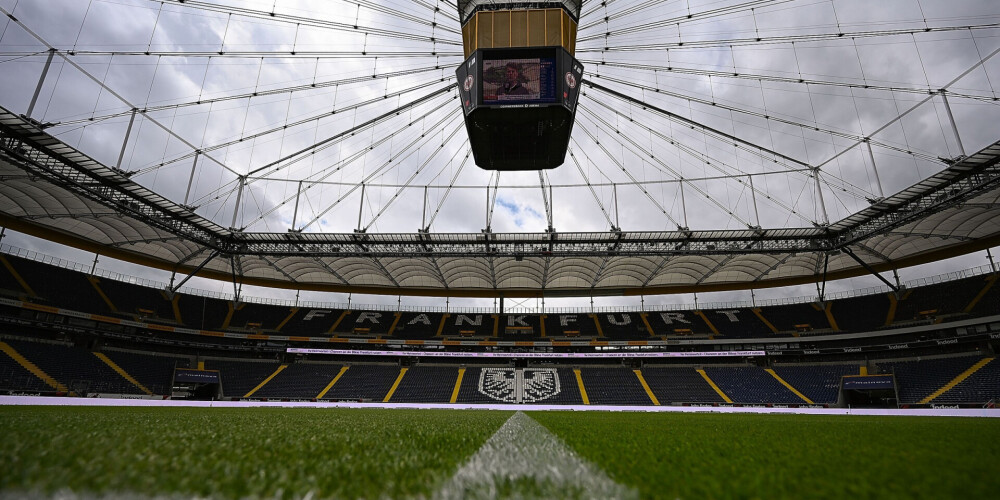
(524, 460)
(677, 455)
(237, 452)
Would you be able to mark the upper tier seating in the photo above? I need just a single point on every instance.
(9, 287)
(469, 325)
(519, 327)
(417, 326)
(570, 325)
(861, 314)
(796, 317)
(202, 312)
(941, 299)
(258, 317)
(57, 286)
(738, 323)
(73, 290)
(623, 326)
(138, 301)
(679, 323)
(989, 303)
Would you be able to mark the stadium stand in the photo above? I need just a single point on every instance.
(133, 353)
(798, 318)
(470, 325)
(938, 301)
(468, 391)
(622, 326)
(202, 312)
(299, 381)
(751, 385)
(917, 379)
(16, 378)
(364, 383)
(417, 325)
(613, 386)
(569, 392)
(78, 369)
(426, 384)
(519, 327)
(680, 324)
(571, 325)
(65, 288)
(9, 285)
(987, 301)
(153, 372)
(370, 323)
(137, 302)
(548, 385)
(740, 323)
(819, 383)
(239, 377)
(679, 385)
(69, 287)
(315, 322)
(258, 317)
(862, 314)
(981, 386)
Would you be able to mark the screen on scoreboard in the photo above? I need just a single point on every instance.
(519, 81)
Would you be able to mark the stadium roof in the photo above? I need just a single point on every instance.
(51, 190)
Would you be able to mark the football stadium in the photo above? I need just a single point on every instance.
(319, 249)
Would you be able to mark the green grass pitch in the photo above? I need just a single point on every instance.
(374, 453)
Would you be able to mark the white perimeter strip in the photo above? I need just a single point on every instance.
(523, 455)
(914, 412)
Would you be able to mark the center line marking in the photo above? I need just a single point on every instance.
(524, 460)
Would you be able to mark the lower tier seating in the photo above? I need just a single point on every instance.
(751, 384)
(918, 379)
(679, 385)
(819, 383)
(240, 376)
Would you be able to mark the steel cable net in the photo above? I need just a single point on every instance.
(341, 118)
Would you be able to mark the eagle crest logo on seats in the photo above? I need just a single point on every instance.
(499, 384)
(540, 384)
(508, 385)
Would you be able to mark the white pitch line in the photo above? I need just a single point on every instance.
(524, 455)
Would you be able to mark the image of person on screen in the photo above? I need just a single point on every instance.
(514, 85)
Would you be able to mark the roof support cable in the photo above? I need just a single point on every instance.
(171, 289)
(872, 271)
(914, 107)
(106, 87)
(308, 21)
(821, 289)
(237, 266)
(41, 80)
(451, 186)
(590, 186)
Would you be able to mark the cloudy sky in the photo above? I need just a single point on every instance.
(253, 82)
